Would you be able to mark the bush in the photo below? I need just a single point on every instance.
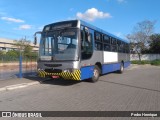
(143, 62)
(155, 62)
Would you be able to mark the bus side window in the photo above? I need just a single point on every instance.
(107, 47)
(86, 44)
(113, 45)
(98, 41)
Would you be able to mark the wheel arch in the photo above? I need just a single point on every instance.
(100, 66)
(122, 62)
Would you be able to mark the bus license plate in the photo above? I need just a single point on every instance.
(55, 76)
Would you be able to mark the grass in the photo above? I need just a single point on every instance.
(143, 62)
(155, 62)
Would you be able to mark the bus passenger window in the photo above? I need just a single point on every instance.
(98, 46)
(86, 44)
(106, 39)
(107, 47)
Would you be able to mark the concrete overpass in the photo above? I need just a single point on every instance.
(8, 44)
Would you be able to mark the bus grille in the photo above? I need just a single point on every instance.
(53, 70)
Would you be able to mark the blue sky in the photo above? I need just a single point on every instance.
(19, 18)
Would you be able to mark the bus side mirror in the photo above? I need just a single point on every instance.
(35, 40)
(35, 37)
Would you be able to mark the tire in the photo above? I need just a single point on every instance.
(96, 74)
(121, 68)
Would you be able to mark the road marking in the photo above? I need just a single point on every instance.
(17, 86)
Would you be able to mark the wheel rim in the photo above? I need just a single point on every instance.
(122, 68)
(95, 73)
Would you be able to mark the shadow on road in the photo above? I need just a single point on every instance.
(60, 82)
(143, 88)
(51, 81)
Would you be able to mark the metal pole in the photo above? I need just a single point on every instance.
(20, 66)
(20, 62)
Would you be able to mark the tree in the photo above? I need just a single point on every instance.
(155, 43)
(21, 44)
(12, 53)
(28, 50)
(2, 53)
(140, 37)
(24, 46)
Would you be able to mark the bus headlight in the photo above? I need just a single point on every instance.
(39, 69)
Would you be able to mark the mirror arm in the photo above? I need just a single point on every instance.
(35, 37)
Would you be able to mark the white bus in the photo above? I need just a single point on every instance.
(77, 50)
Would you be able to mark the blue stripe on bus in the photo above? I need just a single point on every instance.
(106, 68)
(86, 72)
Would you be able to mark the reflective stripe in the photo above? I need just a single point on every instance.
(66, 75)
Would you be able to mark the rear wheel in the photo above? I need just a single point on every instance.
(96, 74)
(121, 68)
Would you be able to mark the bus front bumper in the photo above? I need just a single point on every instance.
(75, 75)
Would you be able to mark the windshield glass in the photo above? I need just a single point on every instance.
(59, 45)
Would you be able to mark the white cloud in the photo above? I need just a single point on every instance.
(92, 14)
(9, 19)
(25, 27)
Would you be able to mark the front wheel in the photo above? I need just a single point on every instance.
(96, 74)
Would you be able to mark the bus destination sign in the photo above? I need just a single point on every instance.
(61, 25)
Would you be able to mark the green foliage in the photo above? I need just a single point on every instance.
(155, 44)
(155, 62)
(2, 53)
(12, 53)
(28, 50)
(21, 44)
(142, 62)
(24, 46)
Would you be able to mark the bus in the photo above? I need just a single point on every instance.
(77, 50)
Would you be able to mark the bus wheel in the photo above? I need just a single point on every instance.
(121, 68)
(96, 74)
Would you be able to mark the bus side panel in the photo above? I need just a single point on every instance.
(86, 72)
(106, 68)
(126, 64)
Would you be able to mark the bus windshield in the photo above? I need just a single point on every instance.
(59, 45)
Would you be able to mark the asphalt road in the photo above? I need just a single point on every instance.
(137, 89)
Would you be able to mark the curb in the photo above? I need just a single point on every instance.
(17, 86)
